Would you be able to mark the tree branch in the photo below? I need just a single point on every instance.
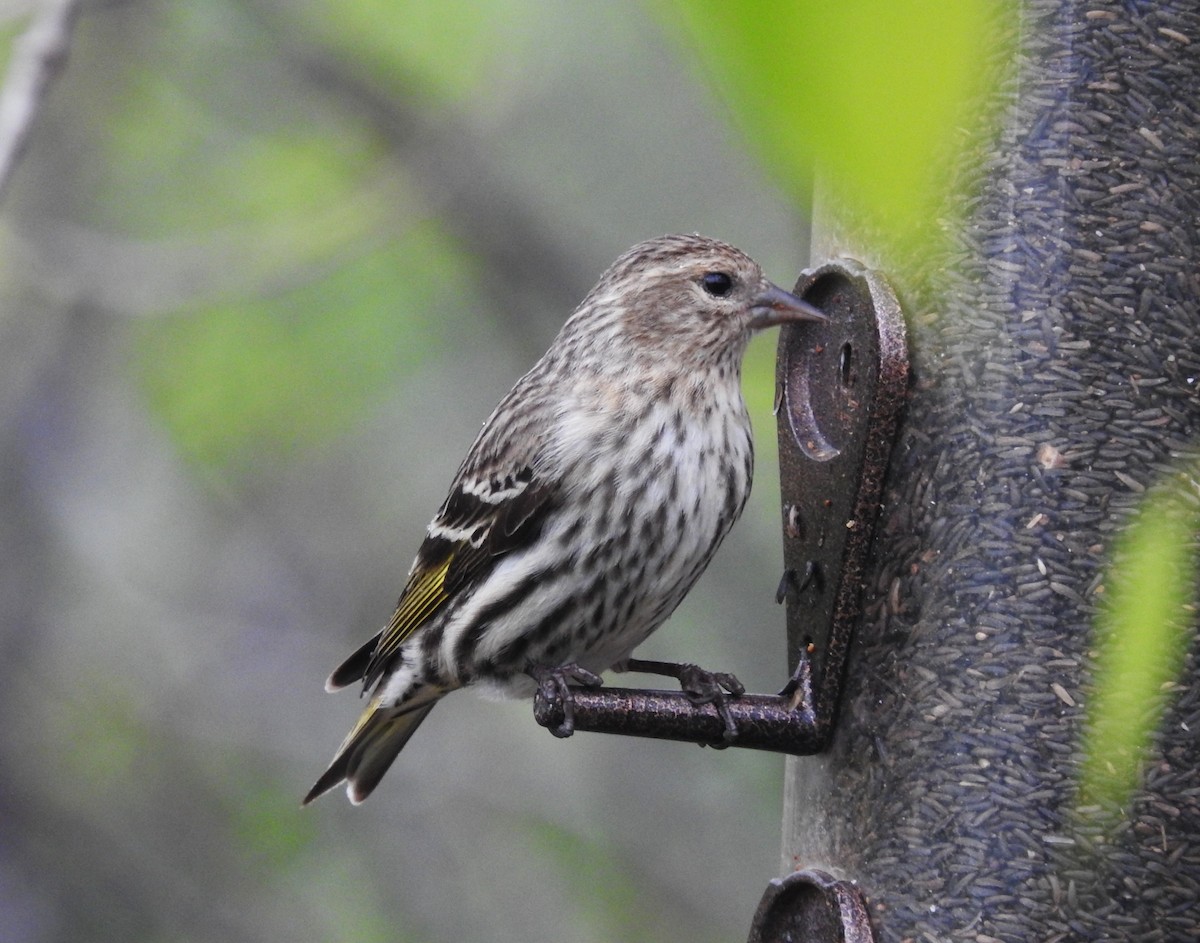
(38, 58)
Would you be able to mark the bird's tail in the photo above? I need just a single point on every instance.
(372, 745)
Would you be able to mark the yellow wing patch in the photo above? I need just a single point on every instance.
(425, 592)
(362, 721)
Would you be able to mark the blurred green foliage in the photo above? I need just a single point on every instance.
(1142, 637)
(299, 367)
(877, 95)
(10, 31)
(622, 912)
(443, 52)
(350, 279)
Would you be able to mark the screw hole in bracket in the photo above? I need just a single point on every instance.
(846, 363)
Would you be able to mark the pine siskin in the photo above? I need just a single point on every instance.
(594, 497)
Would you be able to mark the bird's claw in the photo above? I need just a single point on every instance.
(713, 687)
(554, 687)
(700, 685)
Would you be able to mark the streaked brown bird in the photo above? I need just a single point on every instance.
(591, 501)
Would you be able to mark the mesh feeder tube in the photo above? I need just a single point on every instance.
(1056, 356)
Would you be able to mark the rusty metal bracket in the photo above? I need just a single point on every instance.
(840, 387)
(840, 392)
(811, 907)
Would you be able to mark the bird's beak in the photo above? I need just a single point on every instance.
(776, 306)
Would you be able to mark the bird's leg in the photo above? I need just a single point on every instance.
(700, 685)
(554, 684)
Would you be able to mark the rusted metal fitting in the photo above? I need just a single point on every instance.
(811, 907)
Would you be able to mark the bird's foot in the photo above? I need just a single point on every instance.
(700, 685)
(554, 685)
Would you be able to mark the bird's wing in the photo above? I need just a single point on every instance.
(484, 517)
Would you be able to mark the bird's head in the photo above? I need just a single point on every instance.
(688, 299)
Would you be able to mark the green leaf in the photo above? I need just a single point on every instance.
(875, 94)
(1142, 638)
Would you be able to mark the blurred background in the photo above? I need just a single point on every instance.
(264, 269)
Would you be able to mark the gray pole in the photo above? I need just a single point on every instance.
(1057, 363)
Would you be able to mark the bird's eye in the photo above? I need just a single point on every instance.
(717, 284)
